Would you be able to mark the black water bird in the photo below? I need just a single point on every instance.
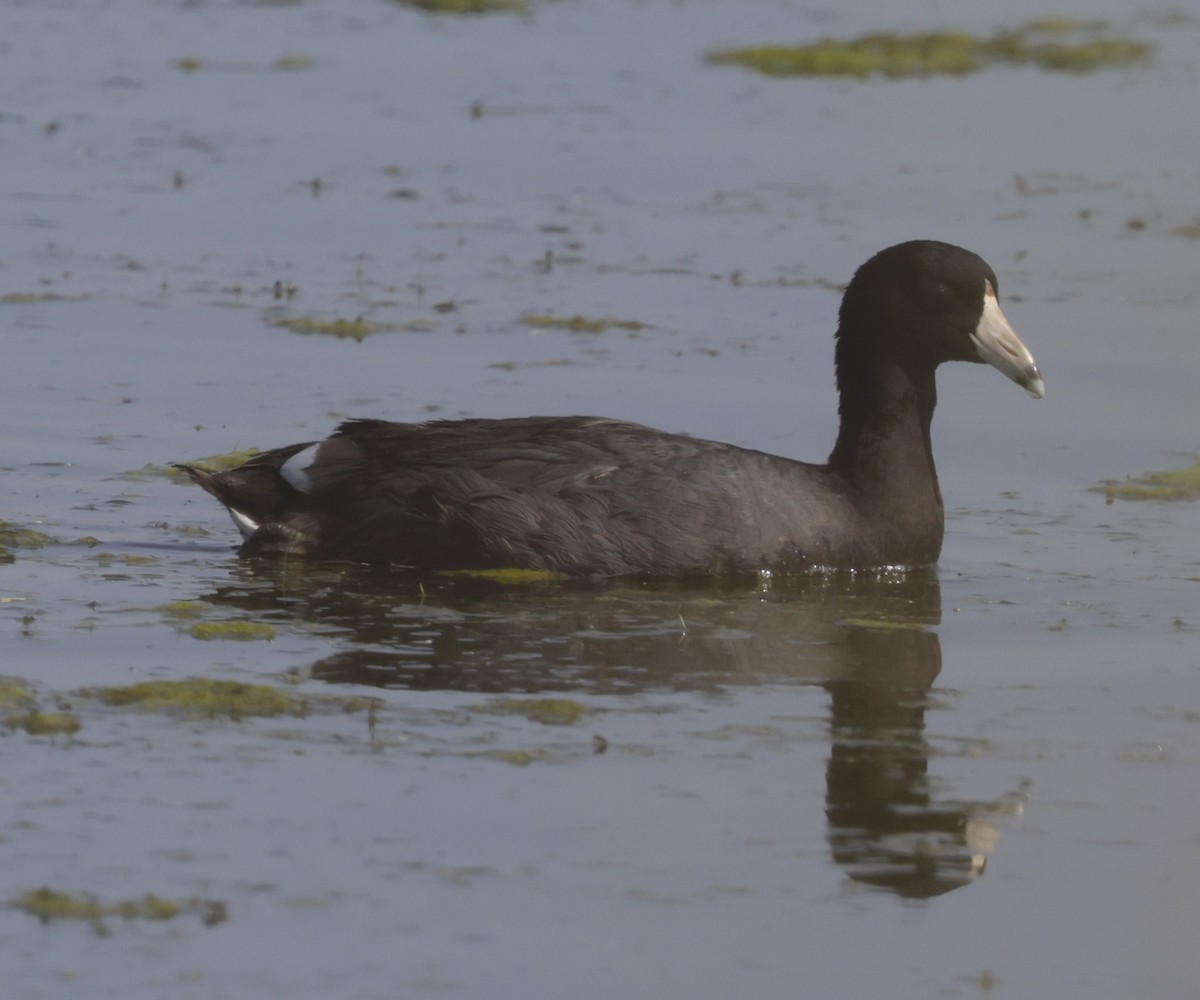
(586, 496)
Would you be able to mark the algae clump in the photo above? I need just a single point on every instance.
(37, 723)
(513, 576)
(180, 610)
(210, 463)
(1164, 484)
(547, 711)
(15, 693)
(518, 758)
(28, 298)
(203, 698)
(220, 463)
(48, 904)
(17, 700)
(1188, 230)
(236, 630)
(1088, 56)
(52, 904)
(1049, 43)
(891, 55)
(13, 536)
(357, 329)
(580, 324)
(293, 61)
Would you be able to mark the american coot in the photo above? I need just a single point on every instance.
(586, 496)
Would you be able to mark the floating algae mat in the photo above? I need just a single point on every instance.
(19, 710)
(357, 329)
(1165, 484)
(1063, 45)
(15, 693)
(580, 324)
(210, 463)
(204, 698)
(39, 723)
(51, 904)
(514, 576)
(216, 463)
(14, 536)
(238, 631)
(344, 329)
(547, 711)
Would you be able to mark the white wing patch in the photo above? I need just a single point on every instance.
(295, 469)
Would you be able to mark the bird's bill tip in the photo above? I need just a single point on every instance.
(997, 344)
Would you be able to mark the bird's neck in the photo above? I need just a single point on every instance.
(883, 447)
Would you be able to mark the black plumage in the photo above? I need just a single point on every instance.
(592, 496)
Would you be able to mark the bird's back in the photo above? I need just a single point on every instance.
(577, 495)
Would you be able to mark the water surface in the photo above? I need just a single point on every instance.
(975, 780)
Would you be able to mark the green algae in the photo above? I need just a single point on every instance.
(202, 698)
(517, 758)
(579, 324)
(240, 631)
(13, 536)
(468, 6)
(357, 329)
(547, 711)
(15, 693)
(1164, 484)
(1188, 230)
(889, 55)
(219, 463)
(210, 463)
(38, 723)
(1042, 43)
(512, 576)
(182, 610)
(1087, 57)
(138, 559)
(52, 904)
(49, 904)
(19, 706)
(134, 559)
(29, 298)
(1056, 24)
(291, 62)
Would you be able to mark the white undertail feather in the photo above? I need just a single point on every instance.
(294, 470)
(246, 525)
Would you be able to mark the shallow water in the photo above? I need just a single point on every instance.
(770, 788)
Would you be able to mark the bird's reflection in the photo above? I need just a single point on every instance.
(885, 826)
(868, 640)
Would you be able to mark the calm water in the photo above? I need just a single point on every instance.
(977, 780)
